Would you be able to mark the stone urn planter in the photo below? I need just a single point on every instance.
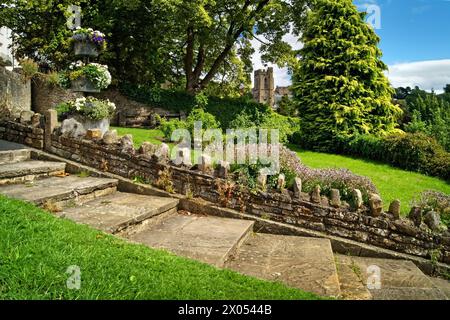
(85, 49)
(87, 123)
(83, 84)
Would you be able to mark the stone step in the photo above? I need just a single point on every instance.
(443, 285)
(114, 212)
(304, 263)
(13, 156)
(29, 170)
(350, 280)
(398, 279)
(59, 190)
(208, 239)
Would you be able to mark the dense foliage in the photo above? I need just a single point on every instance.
(339, 84)
(203, 42)
(415, 152)
(224, 109)
(426, 112)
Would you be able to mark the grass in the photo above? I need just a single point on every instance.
(141, 135)
(392, 183)
(37, 248)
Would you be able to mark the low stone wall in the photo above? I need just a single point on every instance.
(384, 231)
(151, 164)
(28, 135)
(15, 94)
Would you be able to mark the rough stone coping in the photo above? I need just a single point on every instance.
(339, 245)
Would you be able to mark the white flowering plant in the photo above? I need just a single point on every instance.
(97, 73)
(89, 34)
(89, 107)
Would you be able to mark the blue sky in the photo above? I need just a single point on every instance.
(415, 40)
(413, 30)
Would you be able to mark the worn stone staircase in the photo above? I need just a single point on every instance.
(305, 263)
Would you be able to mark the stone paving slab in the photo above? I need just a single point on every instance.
(115, 212)
(25, 168)
(13, 156)
(350, 280)
(57, 189)
(443, 285)
(204, 238)
(304, 263)
(400, 280)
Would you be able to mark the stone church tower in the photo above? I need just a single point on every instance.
(264, 86)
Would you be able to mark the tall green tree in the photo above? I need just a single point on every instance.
(191, 43)
(39, 29)
(339, 84)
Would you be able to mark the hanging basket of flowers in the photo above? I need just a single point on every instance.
(88, 42)
(92, 77)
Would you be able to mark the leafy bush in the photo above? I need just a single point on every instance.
(223, 109)
(435, 201)
(426, 112)
(90, 107)
(414, 152)
(207, 119)
(29, 68)
(169, 126)
(287, 126)
(197, 114)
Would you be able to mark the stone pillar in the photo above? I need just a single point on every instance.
(51, 122)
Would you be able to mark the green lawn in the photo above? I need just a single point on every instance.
(36, 248)
(141, 135)
(392, 183)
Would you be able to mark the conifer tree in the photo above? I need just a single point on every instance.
(339, 85)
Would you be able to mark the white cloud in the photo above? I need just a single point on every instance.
(428, 75)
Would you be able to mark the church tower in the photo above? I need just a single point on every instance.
(264, 86)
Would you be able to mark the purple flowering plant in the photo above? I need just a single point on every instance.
(89, 34)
